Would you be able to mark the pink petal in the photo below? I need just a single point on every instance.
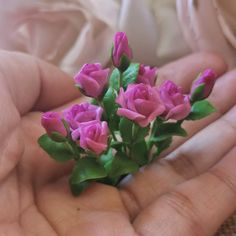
(144, 107)
(129, 114)
(98, 148)
(179, 112)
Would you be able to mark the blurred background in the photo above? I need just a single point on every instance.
(69, 33)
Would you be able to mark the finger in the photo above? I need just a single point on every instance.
(206, 148)
(26, 83)
(185, 70)
(197, 207)
(98, 206)
(194, 156)
(223, 98)
(31, 83)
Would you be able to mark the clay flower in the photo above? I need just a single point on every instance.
(79, 113)
(52, 122)
(92, 135)
(147, 75)
(140, 103)
(132, 123)
(92, 79)
(207, 79)
(121, 52)
(176, 103)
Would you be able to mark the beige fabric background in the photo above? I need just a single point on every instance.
(69, 33)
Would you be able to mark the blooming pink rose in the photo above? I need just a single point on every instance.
(147, 75)
(177, 105)
(52, 122)
(208, 78)
(121, 48)
(93, 136)
(141, 103)
(92, 79)
(83, 112)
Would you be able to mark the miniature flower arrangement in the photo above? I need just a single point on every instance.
(128, 122)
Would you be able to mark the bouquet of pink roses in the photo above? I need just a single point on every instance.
(128, 122)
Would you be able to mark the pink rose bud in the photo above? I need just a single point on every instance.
(147, 75)
(121, 52)
(92, 79)
(177, 105)
(52, 122)
(207, 78)
(93, 136)
(140, 103)
(79, 113)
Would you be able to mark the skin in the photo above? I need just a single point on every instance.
(191, 191)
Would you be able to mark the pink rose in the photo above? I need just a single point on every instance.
(177, 105)
(208, 78)
(92, 79)
(141, 103)
(52, 122)
(121, 48)
(93, 136)
(79, 113)
(147, 75)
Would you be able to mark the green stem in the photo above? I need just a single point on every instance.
(180, 122)
(120, 79)
(150, 143)
(152, 135)
(125, 149)
(73, 148)
(100, 103)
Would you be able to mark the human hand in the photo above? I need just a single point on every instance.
(189, 192)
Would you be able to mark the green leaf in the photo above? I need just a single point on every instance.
(57, 137)
(198, 93)
(58, 151)
(109, 102)
(86, 170)
(106, 159)
(139, 153)
(114, 81)
(111, 107)
(162, 145)
(121, 165)
(130, 75)
(117, 145)
(167, 130)
(124, 63)
(114, 121)
(77, 189)
(140, 132)
(125, 128)
(94, 101)
(200, 110)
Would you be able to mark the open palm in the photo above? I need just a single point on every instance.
(189, 192)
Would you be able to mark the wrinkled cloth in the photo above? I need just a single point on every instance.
(209, 26)
(70, 33)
